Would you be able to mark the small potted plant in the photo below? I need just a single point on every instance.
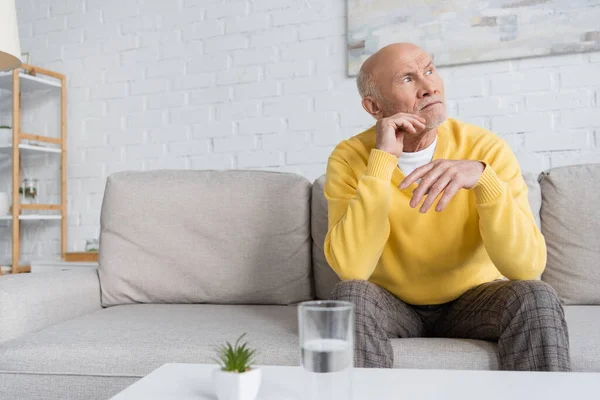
(236, 379)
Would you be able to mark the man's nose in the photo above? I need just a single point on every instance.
(427, 89)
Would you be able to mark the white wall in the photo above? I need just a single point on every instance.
(262, 84)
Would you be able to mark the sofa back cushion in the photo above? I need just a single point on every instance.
(325, 278)
(534, 194)
(571, 226)
(233, 237)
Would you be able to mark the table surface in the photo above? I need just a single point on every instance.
(194, 381)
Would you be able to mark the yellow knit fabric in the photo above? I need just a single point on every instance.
(482, 235)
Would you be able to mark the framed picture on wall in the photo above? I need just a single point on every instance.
(471, 31)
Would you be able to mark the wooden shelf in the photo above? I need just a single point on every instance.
(32, 217)
(39, 138)
(6, 150)
(22, 269)
(56, 207)
(29, 83)
(82, 256)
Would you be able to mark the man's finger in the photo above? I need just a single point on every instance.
(418, 120)
(408, 126)
(416, 175)
(415, 121)
(449, 193)
(425, 185)
(418, 124)
(408, 115)
(435, 191)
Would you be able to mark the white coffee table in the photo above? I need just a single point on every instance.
(193, 382)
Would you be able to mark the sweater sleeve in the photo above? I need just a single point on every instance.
(358, 227)
(511, 238)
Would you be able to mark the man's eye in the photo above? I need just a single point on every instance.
(407, 79)
(429, 72)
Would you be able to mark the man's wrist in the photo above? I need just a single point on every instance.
(389, 151)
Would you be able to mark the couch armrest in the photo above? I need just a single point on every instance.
(30, 302)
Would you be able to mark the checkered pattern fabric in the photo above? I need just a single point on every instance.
(526, 318)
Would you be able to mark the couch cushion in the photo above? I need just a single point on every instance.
(324, 277)
(235, 237)
(584, 337)
(434, 353)
(571, 226)
(534, 195)
(133, 340)
(71, 387)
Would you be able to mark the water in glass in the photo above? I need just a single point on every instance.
(327, 349)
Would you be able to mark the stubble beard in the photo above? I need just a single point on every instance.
(431, 121)
(435, 121)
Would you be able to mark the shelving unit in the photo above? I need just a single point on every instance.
(24, 80)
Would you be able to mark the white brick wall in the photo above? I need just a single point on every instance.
(259, 84)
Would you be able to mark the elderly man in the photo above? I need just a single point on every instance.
(430, 228)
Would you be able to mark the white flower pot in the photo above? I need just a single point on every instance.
(235, 386)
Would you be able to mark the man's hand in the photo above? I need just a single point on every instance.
(439, 176)
(390, 131)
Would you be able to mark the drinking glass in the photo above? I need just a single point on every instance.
(327, 348)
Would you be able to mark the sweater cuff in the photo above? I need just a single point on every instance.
(488, 187)
(381, 165)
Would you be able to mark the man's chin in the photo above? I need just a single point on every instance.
(434, 121)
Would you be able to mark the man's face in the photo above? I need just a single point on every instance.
(409, 83)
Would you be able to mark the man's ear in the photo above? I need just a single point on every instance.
(373, 107)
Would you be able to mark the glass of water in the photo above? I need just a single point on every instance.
(327, 348)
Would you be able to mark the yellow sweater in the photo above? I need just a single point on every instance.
(482, 235)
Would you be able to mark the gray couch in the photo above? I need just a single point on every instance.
(190, 259)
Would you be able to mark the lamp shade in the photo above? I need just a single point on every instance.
(10, 49)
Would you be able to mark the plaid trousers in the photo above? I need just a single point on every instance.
(526, 318)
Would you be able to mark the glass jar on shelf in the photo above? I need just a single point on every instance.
(29, 191)
(91, 245)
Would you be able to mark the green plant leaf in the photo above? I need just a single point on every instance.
(237, 357)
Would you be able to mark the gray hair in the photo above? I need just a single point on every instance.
(366, 85)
